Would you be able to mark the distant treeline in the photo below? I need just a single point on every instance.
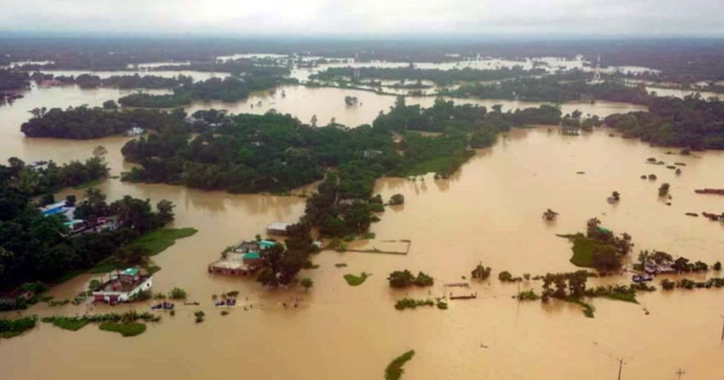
(229, 89)
(439, 77)
(116, 81)
(691, 122)
(82, 122)
(553, 89)
(237, 67)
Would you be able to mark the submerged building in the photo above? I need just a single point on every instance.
(122, 287)
(239, 261)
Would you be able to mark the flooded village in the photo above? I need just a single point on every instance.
(343, 315)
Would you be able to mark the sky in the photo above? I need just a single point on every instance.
(371, 18)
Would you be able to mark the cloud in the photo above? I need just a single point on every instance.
(369, 17)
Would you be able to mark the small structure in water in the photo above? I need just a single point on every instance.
(278, 228)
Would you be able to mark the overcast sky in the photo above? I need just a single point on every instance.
(369, 17)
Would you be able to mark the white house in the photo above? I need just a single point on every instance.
(122, 287)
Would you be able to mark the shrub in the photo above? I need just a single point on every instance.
(401, 279)
(177, 294)
(397, 199)
(423, 280)
(664, 189)
(481, 272)
(505, 276)
(717, 266)
(528, 295)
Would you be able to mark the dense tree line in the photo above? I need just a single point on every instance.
(244, 67)
(89, 123)
(229, 89)
(439, 77)
(116, 81)
(553, 89)
(13, 80)
(691, 122)
(51, 177)
(33, 247)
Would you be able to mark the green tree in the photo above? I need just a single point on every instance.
(397, 199)
(110, 105)
(401, 279)
(307, 283)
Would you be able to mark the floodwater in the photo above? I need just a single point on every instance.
(489, 212)
(328, 102)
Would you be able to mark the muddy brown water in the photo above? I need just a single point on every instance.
(489, 211)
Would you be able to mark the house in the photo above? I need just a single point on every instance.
(104, 223)
(278, 228)
(135, 131)
(240, 260)
(122, 287)
(58, 208)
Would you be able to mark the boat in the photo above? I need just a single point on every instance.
(639, 278)
(163, 306)
(226, 302)
(710, 191)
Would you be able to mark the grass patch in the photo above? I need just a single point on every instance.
(89, 184)
(353, 280)
(433, 165)
(583, 250)
(10, 334)
(394, 370)
(67, 323)
(103, 267)
(125, 329)
(157, 241)
(340, 265)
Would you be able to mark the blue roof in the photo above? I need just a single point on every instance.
(54, 211)
(130, 271)
(266, 243)
(251, 255)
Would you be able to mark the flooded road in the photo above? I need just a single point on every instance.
(489, 212)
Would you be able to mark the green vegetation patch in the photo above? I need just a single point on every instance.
(354, 280)
(12, 328)
(583, 250)
(157, 241)
(587, 308)
(67, 323)
(89, 184)
(125, 329)
(394, 370)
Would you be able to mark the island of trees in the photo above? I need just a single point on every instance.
(229, 89)
(437, 76)
(82, 122)
(690, 122)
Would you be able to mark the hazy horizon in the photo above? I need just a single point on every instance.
(574, 19)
